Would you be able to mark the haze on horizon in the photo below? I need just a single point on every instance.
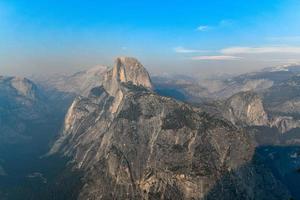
(195, 37)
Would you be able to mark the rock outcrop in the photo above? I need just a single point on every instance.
(20, 88)
(131, 143)
(285, 123)
(24, 87)
(246, 108)
(127, 70)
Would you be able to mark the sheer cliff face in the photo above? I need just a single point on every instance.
(133, 144)
(129, 70)
(126, 71)
(247, 108)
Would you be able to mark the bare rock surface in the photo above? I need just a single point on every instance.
(246, 107)
(134, 144)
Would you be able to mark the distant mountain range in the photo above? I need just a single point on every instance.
(116, 133)
(79, 83)
(123, 131)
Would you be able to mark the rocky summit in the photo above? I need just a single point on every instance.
(20, 101)
(131, 143)
(18, 87)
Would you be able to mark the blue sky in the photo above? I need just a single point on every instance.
(192, 37)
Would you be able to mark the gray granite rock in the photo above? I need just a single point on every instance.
(131, 143)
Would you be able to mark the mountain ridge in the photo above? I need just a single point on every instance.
(145, 146)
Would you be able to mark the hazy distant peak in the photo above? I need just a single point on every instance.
(21, 85)
(79, 83)
(24, 86)
(97, 69)
(285, 67)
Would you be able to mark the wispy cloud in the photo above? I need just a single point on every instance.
(218, 57)
(223, 23)
(261, 50)
(203, 28)
(186, 50)
(290, 38)
(269, 53)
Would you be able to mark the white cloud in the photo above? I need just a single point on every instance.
(203, 28)
(263, 53)
(223, 23)
(261, 50)
(219, 57)
(185, 50)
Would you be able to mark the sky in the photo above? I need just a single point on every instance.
(191, 37)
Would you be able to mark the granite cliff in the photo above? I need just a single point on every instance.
(131, 143)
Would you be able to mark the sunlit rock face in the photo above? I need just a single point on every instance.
(131, 143)
(125, 71)
(247, 108)
(285, 123)
(129, 70)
